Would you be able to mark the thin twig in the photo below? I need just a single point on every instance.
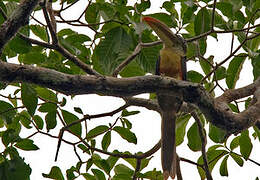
(191, 162)
(213, 15)
(137, 168)
(178, 169)
(203, 145)
(49, 24)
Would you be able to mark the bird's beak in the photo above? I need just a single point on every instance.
(165, 34)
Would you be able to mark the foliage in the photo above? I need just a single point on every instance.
(117, 31)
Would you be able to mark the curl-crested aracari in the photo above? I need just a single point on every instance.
(172, 63)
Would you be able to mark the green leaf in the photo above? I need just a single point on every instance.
(55, 173)
(25, 119)
(106, 140)
(233, 107)
(234, 143)
(123, 169)
(233, 71)
(126, 113)
(48, 107)
(9, 136)
(99, 175)
(153, 175)
(226, 8)
(203, 46)
(257, 132)
(40, 31)
(206, 64)
(189, 15)
(170, 7)
(92, 15)
(101, 163)
(111, 160)
(32, 57)
(194, 141)
(97, 131)
(70, 173)
(70, 118)
(78, 110)
(38, 121)
(7, 112)
(141, 7)
(46, 94)
(132, 161)
(122, 177)
(88, 176)
(126, 134)
(256, 66)
(213, 156)
(245, 144)
(83, 148)
(77, 38)
(237, 159)
(194, 76)
(19, 45)
(181, 124)
(132, 69)
(147, 58)
(26, 144)
(127, 123)
(50, 120)
(89, 164)
(112, 50)
(29, 98)
(14, 169)
(223, 167)
(202, 21)
(221, 73)
(216, 134)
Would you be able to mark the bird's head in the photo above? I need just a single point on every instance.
(169, 39)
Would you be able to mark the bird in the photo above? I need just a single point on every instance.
(171, 63)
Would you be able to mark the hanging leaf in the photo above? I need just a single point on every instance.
(233, 71)
(223, 167)
(40, 31)
(70, 118)
(126, 134)
(29, 98)
(50, 120)
(216, 134)
(55, 173)
(181, 124)
(202, 21)
(245, 144)
(7, 112)
(26, 144)
(106, 140)
(194, 140)
(97, 131)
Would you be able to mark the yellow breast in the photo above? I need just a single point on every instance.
(170, 63)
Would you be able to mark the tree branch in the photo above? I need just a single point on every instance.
(19, 18)
(215, 110)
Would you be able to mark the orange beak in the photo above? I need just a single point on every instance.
(165, 34)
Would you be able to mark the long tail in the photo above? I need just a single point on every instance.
(170, 105)
(168, 151)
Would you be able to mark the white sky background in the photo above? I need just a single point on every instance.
(146, 124)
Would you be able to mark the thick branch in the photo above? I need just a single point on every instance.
(19, 18)
(215, 110)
